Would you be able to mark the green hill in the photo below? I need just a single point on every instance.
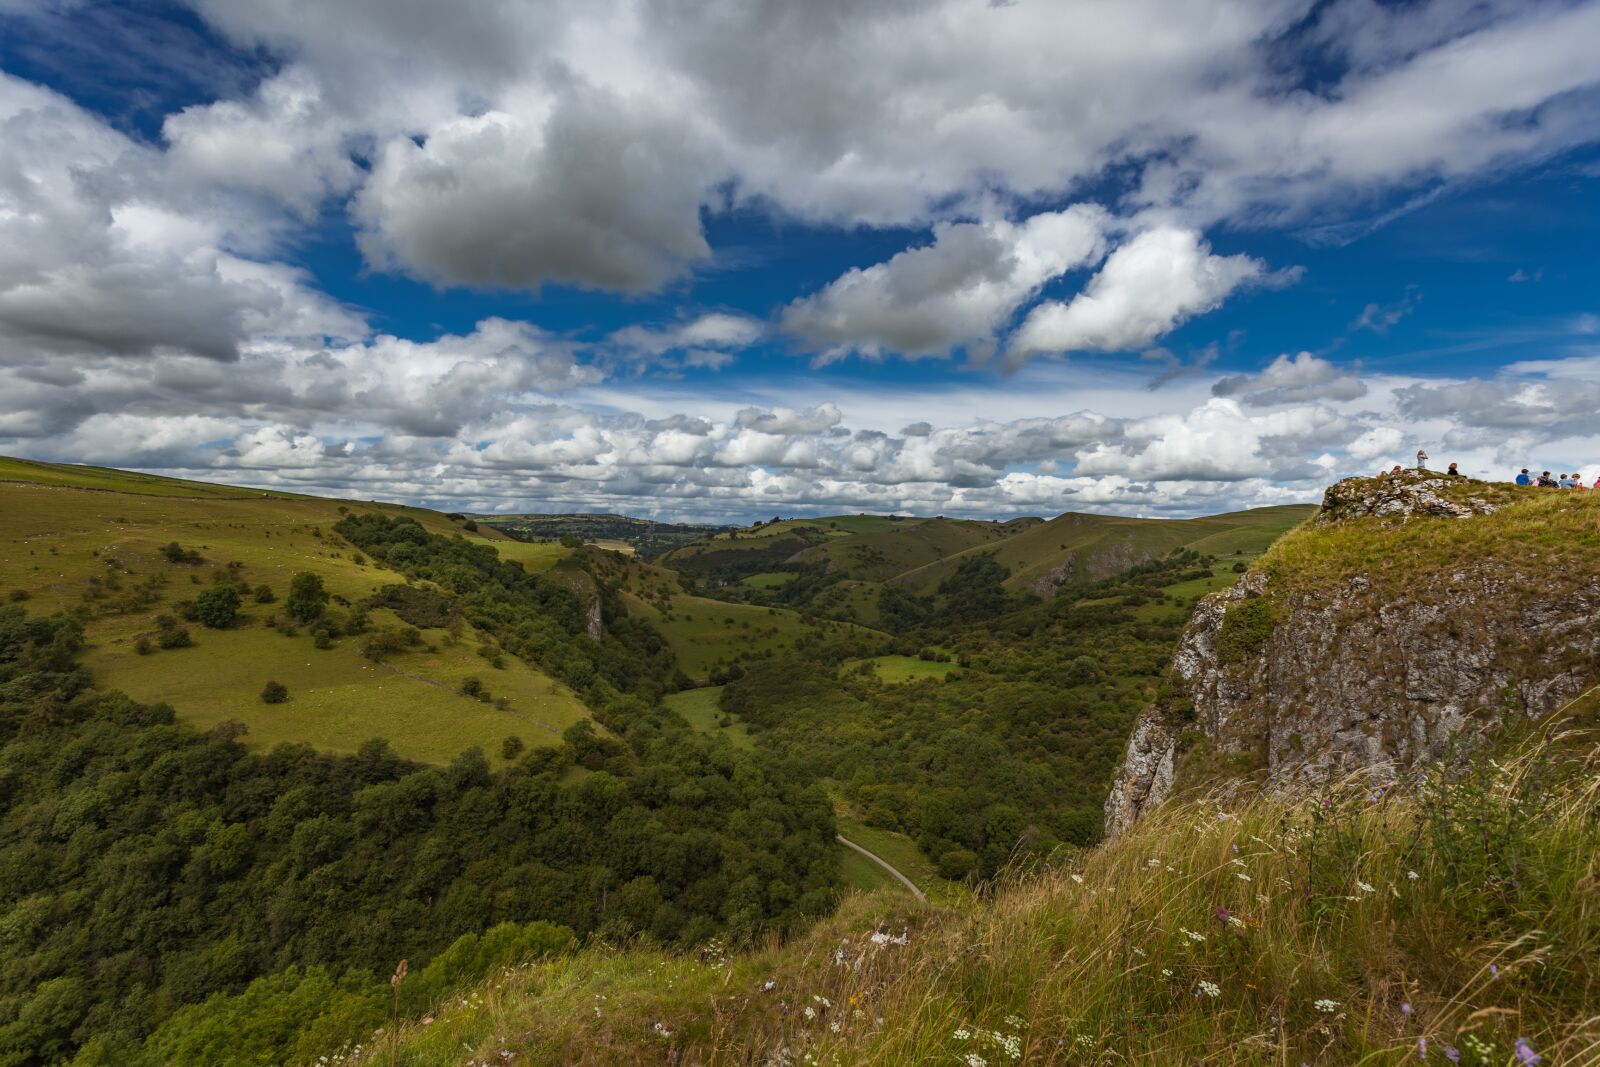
(877, 555)
(89, 541)
(644, 536)
(768, 547)
(709, 635)
(1075, 547)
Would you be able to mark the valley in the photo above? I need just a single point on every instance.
(487, 750)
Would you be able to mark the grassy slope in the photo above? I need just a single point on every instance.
(899, 669)
(1351, 932)
(1081, 546)
(880, 554)
(55, 535)
(703, 632)
(699, 709)
(1550, 534)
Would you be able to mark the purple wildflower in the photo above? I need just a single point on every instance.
(1452, 1054)
(1222, 914)
(1525, 1053)
(1422, 1048)
(1494, 971)
(1405, 1007)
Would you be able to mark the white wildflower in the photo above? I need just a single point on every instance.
(1326, 1006)
(962, 1034)
(1413, 875)
(1210, 989)
(1364, 887)
(972, 1059)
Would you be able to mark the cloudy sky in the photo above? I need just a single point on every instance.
(733, 258)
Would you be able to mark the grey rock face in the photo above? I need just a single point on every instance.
(1397, 496)
(1353, 678)
(594, 624)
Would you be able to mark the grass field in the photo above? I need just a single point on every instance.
(896, 670)
(858, 872)
(699, 709)
(768, 579)
(536, 557)
(899, 850)
(66, 541)
(337, 699)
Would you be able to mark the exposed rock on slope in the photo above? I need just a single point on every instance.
(1406, 494)
(1413, 609)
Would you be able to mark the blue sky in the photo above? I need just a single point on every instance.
(709, 261)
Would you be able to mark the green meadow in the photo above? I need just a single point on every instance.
(80, 539)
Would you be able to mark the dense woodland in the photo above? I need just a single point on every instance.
(1018, 746)
(540, 618)
(145, 866)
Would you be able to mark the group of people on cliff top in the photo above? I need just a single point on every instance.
(1544, 480)
(1547, 480)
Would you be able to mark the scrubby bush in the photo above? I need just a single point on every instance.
(217, 607)
(307, 598)
(173, 552)
(274, 693)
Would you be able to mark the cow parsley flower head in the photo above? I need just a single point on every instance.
(1209, 989)
(1326, 1006)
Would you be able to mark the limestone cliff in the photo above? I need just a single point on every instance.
(1411, 610)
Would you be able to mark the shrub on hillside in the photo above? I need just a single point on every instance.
(170, 633)
(217, 607)
(307, 598)
(173, 552)
(274, 693)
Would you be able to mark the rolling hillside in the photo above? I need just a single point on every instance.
(769, 547)
(1075, 547)
(89, 541)
(707, 634)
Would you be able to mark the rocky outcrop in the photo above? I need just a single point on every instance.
(1376, 670)
(594, 623)
(1399, 496)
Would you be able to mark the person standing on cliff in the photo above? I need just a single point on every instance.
(1422, 459)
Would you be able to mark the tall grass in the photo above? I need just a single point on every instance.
(1354, 926)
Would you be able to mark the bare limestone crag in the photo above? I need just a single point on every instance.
(1375, 671)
